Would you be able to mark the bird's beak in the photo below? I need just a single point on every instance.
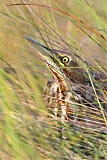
(43, 51)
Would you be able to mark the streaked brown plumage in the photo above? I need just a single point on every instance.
(70, 93)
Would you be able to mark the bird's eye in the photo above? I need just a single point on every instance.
(65, 59)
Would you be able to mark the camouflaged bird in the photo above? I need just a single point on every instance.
(70, 92)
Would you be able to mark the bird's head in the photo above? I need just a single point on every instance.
(60, 62)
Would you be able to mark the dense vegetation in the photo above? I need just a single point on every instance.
(27, 131)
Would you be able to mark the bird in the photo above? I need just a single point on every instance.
(73, 93)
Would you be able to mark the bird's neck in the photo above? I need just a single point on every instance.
(76, 75)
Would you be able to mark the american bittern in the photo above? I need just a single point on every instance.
(73, 93)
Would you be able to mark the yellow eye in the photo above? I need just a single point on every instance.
(65, 59)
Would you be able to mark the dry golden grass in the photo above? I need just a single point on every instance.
(26, 130)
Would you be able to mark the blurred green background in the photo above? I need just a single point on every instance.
(26, 131)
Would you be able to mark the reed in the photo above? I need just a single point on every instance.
(27, 131)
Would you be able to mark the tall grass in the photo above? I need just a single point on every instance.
(27, 132)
